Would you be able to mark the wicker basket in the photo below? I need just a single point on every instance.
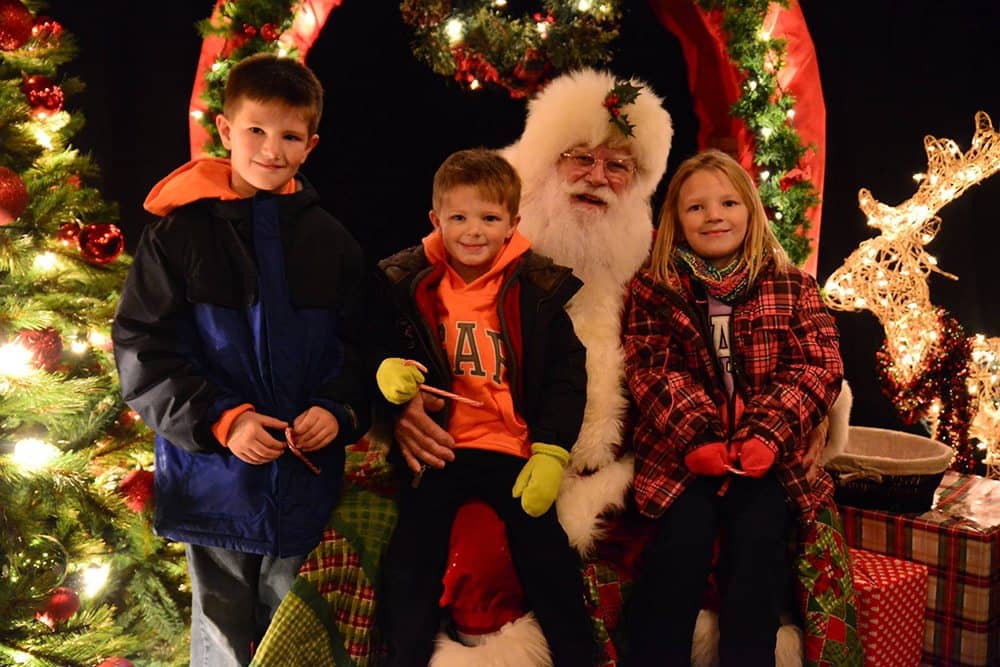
(889, 470)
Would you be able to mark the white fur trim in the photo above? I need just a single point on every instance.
(788, 649)
(840, 417)
(569, 112)
(582, 500)
(596, 316)
(519, 643)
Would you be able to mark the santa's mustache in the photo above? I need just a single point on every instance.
(602, 192)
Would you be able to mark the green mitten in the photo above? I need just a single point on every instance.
(398, 381)
(538, 483)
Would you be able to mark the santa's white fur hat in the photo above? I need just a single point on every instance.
(570, 112)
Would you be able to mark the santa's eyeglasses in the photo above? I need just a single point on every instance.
(616, 169)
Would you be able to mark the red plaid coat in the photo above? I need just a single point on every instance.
(786, 367)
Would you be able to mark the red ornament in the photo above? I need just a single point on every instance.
(116, 662)
(137, 490)
(269, 32)
(61, 605)
(13, 196)
(101, 243)
(249, 30)
(45, 345)
(472, 66)
(69, 233)
(74, 181)
(45, 29)
(15, 25)
(530, 72)
(44, 96)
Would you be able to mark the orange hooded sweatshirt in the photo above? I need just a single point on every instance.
(470, 329)
(204, 178)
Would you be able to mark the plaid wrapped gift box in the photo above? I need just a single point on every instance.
(959, 542)
(891, 594)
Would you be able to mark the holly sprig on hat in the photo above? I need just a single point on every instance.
(622, 93)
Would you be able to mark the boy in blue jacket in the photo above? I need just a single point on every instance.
(236, 341)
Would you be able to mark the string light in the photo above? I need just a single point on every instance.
(45, 261)
(15, 361)
(95, 578)
(99, 340)
(32, 454)
(454, 30)
(888, 274)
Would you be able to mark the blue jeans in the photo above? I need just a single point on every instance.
(234, 597)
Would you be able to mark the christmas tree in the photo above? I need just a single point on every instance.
(83, 580)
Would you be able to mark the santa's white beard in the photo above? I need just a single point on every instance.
(601, 246)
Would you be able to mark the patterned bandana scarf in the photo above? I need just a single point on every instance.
(728, 284)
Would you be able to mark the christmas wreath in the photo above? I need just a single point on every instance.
(478, 44)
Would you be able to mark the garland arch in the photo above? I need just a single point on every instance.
(751, 67)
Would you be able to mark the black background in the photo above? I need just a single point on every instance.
(892, 72)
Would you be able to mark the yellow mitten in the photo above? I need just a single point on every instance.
(538, 483)
(398, 381)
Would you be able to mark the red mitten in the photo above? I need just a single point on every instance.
(756, 458)
(710, 459)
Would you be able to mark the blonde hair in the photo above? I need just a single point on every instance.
(483, 169)
(759, 244)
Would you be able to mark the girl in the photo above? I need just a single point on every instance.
(733, 359)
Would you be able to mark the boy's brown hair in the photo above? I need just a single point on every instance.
(265, 77)
(486, 170)
(760, 243)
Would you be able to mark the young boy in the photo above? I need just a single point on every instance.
(486, 316)
(235, 340)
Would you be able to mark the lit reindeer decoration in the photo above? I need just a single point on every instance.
(887, 275)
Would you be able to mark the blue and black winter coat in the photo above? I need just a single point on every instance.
(245, 301)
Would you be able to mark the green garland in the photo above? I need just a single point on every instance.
(249, 27)
(477, 44)
(764, 107)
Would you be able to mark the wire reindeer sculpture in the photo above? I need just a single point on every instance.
(931, 369)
